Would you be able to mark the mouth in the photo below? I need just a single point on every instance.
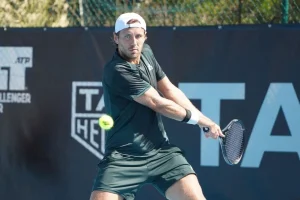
(133, 50)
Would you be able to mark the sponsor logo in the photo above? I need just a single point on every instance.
(13, 64)
(87, 108)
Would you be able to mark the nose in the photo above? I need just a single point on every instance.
(134, 41)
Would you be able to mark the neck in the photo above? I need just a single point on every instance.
(135, 61)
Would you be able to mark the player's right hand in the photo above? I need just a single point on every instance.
(214, 131)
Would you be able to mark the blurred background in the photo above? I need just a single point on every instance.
(97, 13)
(232, 59)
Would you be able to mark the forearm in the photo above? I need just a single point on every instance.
(179, 98)
(169, 109)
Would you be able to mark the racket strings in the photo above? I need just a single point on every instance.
(233, 143)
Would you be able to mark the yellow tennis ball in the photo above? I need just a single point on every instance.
(106, 122)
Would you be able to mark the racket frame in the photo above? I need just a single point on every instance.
(222, 140)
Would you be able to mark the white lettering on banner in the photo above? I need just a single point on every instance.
(13, 64)
(1, 108)
(211, 95)
(94, 131)
(88, 97)
(87, 105)
(279, 95)
(16, 97)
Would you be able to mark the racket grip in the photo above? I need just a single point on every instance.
(205, 129)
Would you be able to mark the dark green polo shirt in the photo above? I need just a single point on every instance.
(137, 129)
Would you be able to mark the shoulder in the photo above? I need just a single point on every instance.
(117, 68)
(116, 63)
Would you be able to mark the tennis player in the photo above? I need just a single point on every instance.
(137, 147)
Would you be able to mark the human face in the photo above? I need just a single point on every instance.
(130, 43)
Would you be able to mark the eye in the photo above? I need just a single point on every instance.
(127, 36)
(138, 36)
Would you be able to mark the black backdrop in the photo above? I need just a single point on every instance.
(50, 146)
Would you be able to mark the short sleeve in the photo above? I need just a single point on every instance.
(126, 81)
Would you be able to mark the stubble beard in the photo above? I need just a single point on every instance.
(126, 54)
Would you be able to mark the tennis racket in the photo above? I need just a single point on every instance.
(232, 145)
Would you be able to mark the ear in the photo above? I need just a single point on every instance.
(146, 36)
(116, 38)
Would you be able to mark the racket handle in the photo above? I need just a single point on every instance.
(205, 129)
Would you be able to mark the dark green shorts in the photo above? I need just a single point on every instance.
(124, 175)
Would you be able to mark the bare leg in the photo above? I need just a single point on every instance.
(187, 188)
(101, 195)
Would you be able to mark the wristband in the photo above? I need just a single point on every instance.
(194, 118)
(191, 117)
(187, 116)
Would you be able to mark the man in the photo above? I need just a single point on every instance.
(137, 147)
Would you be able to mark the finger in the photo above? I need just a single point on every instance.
(221, 134)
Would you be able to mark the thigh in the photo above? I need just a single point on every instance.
(187, 188)
(168, 167)
(102, 195)
(120, 175)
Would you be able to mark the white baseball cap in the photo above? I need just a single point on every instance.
(123, 19)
